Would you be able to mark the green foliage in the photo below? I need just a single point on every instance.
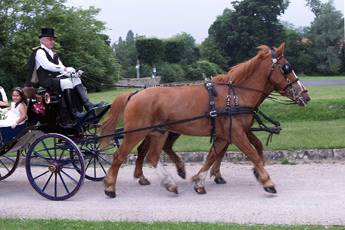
(80, 41)
(252, 22)
(170, 72)
(126, 54)
(202, 69)
(150, 50)
(209, 51)
(325, 35)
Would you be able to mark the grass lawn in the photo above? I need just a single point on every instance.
(15, 224)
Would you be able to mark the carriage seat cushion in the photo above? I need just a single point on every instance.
(7, 133)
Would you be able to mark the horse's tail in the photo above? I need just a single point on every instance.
(115, 113)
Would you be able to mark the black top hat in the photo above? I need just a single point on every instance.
(47, 32)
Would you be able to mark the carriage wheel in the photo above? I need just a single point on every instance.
(55, 166)
(8, 163)
(97, 160)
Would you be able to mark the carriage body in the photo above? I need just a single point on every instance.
(60, 151)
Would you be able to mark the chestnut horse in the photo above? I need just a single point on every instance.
(167, 105)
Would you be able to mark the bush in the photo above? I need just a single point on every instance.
(201, 69)
(170, 72)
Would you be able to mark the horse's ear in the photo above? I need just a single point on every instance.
(280, 50)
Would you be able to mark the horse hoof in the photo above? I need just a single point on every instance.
(144, 181)
(219, 180)
(270, 189)
(173, 189)
(200, 190)
(256, 174)
(110, 194)
(181, 173)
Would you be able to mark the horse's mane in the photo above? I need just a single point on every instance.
(244, 69)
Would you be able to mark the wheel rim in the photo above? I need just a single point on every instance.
(97, 160)
(54, 165)
(8, 163)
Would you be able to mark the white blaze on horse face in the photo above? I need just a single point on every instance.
(166, 178)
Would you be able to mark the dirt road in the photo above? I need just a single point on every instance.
(307, 194)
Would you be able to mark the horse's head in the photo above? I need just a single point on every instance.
(284, 78)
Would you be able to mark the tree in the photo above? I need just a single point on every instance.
(252, 23)
(80, 41)
(181, 49)
(325, 35)
(126, 54)
(150, 50)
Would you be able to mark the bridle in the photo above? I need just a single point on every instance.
(285, 69)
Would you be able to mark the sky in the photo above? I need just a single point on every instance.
(164, 19)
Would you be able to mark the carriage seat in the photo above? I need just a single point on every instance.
(8, 134)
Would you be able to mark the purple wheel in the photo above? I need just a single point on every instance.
(97, 159)
(55, 166)
(8, 163)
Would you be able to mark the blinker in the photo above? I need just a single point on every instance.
(286, 68)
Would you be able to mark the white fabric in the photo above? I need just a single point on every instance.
(42, 60)
(3, 94)
(13, 115)
(70, 70)
(69, 83)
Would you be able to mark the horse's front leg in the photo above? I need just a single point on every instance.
(215, 170)
(157, 142)
(127, 145)
(255, 141)
(216, 150)
(241, 140)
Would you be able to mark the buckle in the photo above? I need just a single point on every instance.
(213, 113)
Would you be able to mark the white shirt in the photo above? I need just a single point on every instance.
(42, 60)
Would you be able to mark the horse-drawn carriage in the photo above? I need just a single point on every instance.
(60, 151)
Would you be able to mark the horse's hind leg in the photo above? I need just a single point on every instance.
(180, 166)
(142, 151)
(157, 143)
(127, 145)
(216, 150)
(243, 143)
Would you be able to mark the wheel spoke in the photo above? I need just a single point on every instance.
(87, 166)
(44, 187)
(47, 149)
(4, 166)
(105, 172)
(63, 182)
(41, 175)
(75, 181)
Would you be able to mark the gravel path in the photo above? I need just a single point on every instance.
(307, 194)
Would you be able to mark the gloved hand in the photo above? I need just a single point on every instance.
(70, 70)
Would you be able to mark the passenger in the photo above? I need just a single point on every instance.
(45, 65)
(17, 113)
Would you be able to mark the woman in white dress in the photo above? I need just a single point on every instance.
(16, 114)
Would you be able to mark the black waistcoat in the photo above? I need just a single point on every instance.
(46, 78)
